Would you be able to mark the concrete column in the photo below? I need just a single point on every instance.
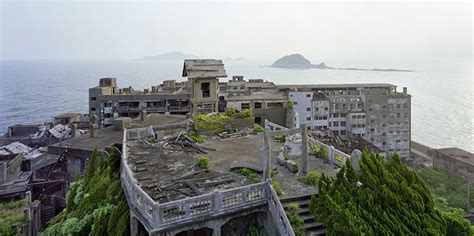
(216, 231)
(133, 224)
(73, 130)
(355, 156)
(266, 154)
(331, 155)
(304, 148)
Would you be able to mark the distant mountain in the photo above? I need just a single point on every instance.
(235, 59)
(170, 56)
(298, 61)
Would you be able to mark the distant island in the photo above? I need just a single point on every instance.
(298, 61)
(235, 59)
(169, 56)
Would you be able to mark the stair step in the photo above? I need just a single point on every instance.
(301, 203)
(318, 232)
(313, 226)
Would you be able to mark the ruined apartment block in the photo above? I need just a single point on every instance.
(375, 112)
(107, 101)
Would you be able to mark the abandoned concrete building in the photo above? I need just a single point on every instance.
(375, 112)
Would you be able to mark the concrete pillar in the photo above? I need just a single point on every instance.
(93, 131)
(142, 115)
(133, 224)
(355, 156)
(73, 130)
(216, 231)
(266, 154)
(304, 148)
(331, 155)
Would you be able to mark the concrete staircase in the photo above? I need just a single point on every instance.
(312, 227)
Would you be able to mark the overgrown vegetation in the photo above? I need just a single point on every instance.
(196, 137)
(95, 203)
(203, 162)
(258, 129)
(249, 174)
(311, 178)
(280, 138)
(255, 230)
(11, 213)
(385, 198)
(296, 221)
(318, 151)
(290, 104)
(276, 185)
(448, 190)
(216, 123)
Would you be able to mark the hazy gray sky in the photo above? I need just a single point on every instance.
(96, 30)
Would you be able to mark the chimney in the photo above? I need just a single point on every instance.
(73, 130)
(405, 90)
(142, 115)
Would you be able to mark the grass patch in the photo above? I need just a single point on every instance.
(311, 178)
(277, 187)
(11, 213)
(318, 151)
(196, 137)
(258, 129)
(249, 174)
(296, 221)
(203, 162)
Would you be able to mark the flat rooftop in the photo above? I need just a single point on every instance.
(336, 86)
(109, 135)
(459, 154)
(168, 174)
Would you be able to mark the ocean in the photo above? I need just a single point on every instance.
(441, 89)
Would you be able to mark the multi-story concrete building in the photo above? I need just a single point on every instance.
(263, 97)
(375, 112)
(107, 101)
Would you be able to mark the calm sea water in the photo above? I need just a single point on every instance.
(442, 90)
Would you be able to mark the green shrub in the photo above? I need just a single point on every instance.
(315, 148)
(277, 187)
(203, 162)
(296, 221)
(290, 104)
(280, 138)
(249, 174)
(95, 203)
(319, 151)
(258, 129)
(311, 178)
(196, 137)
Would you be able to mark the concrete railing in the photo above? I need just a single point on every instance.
(278, 213)
(334, 156)
(162, 215)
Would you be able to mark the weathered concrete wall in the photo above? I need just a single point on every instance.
(452, 165)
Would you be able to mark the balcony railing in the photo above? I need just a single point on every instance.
(162, 215)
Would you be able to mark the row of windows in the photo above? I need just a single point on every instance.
(337, 123)
(358, 116)
(358, 125)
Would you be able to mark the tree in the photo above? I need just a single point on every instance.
(95, 203)
(384, 198)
